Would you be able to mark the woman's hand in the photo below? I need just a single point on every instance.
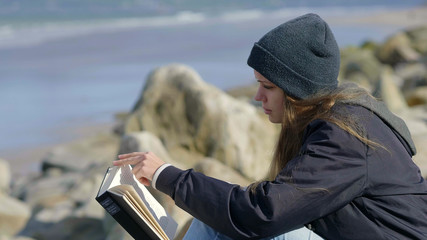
(145, 165)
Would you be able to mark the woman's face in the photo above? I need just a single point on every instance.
(272, 98)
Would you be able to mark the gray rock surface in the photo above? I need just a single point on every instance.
(5, 176)
(14, 215)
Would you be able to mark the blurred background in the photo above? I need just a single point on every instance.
(67, 66)
(72, 70)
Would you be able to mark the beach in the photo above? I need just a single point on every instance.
(112, 81)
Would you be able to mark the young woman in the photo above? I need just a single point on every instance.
(342, 166)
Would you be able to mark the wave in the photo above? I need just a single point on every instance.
(285, 13)
(32, 33)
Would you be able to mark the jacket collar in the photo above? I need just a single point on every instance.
(381, 110)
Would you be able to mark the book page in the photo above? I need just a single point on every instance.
(139, 191)
(136, 214)
(130, 194)
(111, 179)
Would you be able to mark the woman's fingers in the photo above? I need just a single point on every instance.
(145, 165)
(129, 160)
(128, 155)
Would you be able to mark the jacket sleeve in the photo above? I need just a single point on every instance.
(328, 173)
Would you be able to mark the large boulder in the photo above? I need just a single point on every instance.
(417, 97)
(14, 215)
(49, 191)
(5, 176)
(193, 118)
(58, 201)
(214, 168)
(245, 93)
(421, 157)
(145, 141)
(415, 119)
(397, 49)
(72, 228)
(389, 92)
(413, 75)
(80, 155)
(15, 238)
(418, 37)
(360, 66)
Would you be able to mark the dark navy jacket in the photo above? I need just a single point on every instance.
(338, 186)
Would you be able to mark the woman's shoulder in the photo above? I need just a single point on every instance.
(350, 114)
(351, 117)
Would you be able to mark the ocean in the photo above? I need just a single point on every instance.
(57, 74)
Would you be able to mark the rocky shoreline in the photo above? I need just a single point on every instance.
(190, 123)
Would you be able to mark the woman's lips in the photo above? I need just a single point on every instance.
(267, 111)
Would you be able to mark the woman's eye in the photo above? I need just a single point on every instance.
(268, 87)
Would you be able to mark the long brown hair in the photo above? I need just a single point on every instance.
(299, 113)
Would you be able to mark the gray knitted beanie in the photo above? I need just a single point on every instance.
(300, 56)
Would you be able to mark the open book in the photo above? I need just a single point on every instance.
(133, 207)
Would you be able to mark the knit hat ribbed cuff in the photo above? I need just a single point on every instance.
(266, 64)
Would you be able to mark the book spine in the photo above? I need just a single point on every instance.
(123, 218)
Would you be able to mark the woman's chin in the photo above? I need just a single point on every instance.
(273, 119)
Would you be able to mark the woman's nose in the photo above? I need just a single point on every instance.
(259, 96)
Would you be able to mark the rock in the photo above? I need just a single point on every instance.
(214, 168)
(14, 215)
(191, 117)
(83, 194)
(416, 126)
(5, 176)
(418, 37)
(79, 155)
(55, 213)
(21, 184)
(413, 74)
(246, 93)
(417, 96)
(360, 79)
(397, 49)
(66, 219)
(421, 157)
(359, 66)
(388, 91)
(415, 118)
(73, 228)
(145, 141)
(15, 238)
(370, 45)
(180, 234)
(77, 190)
(50, 191)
